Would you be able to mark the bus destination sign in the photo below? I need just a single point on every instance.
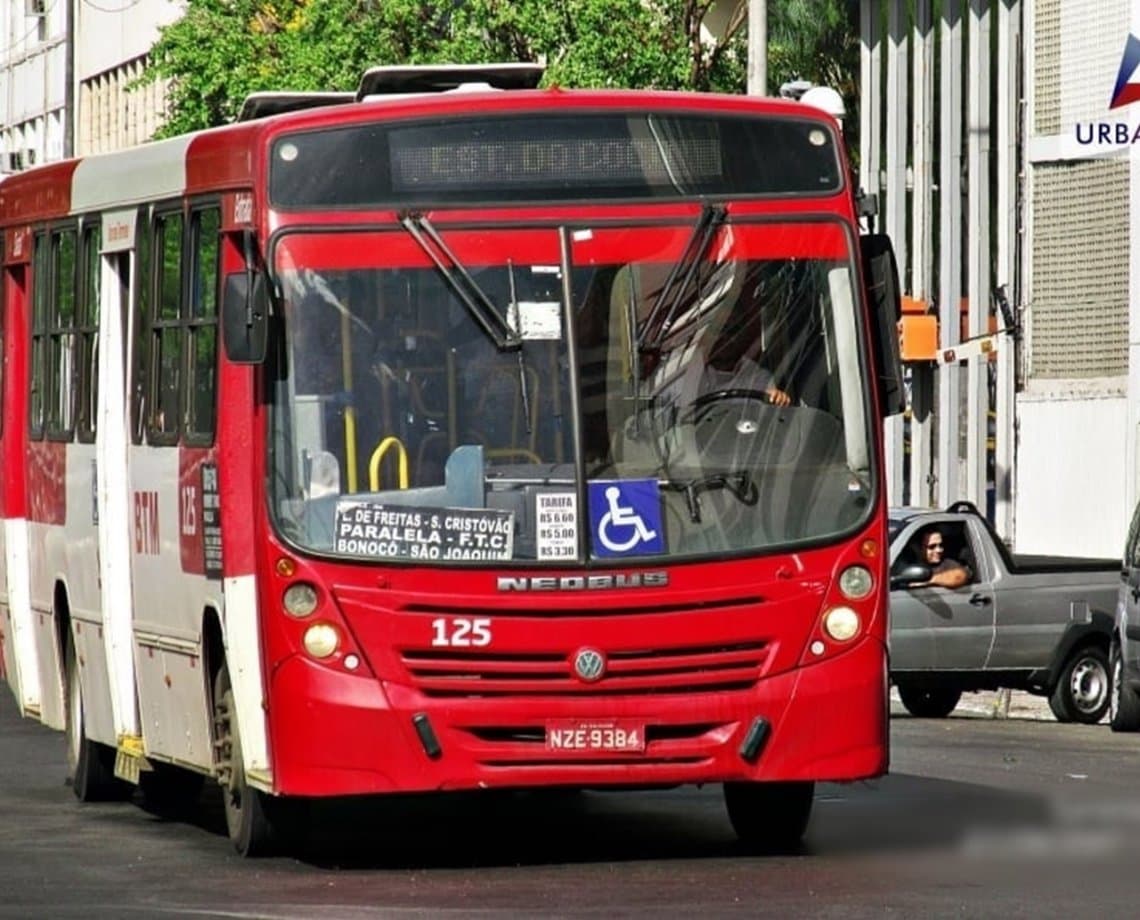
(376, 530)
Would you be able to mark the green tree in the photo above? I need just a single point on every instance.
(222, 50)
(816, 40)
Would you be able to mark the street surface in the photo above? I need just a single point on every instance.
(980, 817)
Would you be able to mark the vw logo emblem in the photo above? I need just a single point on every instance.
(589, 665)
(747, 426)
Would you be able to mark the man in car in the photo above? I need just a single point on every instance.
(946, 572)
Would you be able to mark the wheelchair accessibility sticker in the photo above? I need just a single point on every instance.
(625, 517)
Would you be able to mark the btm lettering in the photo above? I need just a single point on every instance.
(146, 523)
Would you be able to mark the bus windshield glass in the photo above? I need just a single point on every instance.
(555, 394)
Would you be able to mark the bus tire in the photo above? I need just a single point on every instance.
(90, 765)
(247, 821)
(769, 817)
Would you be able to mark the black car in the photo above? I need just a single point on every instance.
(1124, 654)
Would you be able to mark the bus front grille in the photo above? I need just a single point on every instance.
(634, 672)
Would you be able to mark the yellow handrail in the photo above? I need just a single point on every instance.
(349, 411)
(378, 456)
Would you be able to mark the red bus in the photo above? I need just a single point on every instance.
(451, 435)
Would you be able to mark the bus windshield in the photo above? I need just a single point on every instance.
(557, 394)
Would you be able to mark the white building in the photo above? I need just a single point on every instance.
(990, 132)
(60, 97)
(1079, 410)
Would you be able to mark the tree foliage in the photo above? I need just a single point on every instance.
(816, 40)
(222, 50)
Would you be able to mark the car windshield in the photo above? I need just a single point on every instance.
(554, 394)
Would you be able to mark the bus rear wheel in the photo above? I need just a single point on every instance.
(246, 819)
(90, 765)
(769, 817)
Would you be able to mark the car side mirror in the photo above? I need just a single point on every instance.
(910, 574)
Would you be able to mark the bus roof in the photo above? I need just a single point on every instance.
(218, 158)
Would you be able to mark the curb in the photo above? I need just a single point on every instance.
(990, 704)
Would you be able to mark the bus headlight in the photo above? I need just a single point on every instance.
(321, 640)
(300, 600)
(856, 582)
(841, 623)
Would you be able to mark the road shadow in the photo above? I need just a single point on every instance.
(896, 814)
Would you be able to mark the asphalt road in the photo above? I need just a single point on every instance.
(980, 817)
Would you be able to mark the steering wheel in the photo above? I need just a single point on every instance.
(701, 404)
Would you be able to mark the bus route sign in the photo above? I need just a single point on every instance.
(371, 529)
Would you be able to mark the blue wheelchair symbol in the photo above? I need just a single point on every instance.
(625, 517)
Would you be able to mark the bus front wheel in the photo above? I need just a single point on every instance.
(769, 817)
(246, 819)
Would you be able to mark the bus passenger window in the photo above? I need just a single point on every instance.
(166, 336)
(203, 326)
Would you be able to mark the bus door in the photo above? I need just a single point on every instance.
(113, 475)
(20, 661)
(172, 477)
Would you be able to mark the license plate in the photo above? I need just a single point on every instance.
(596, 735)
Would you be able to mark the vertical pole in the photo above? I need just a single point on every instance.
(871, 107)
(978, 258)
(895, 212)
(1008, 113)
(950, 245)
(757, 47)
(921, 245)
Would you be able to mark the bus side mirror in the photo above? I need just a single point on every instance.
(881, 275)
(245, 311)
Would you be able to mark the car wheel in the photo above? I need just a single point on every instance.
(1124, 705)
(929, 702)
(769, 817)
(1082, 693)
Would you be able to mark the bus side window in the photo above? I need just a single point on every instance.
(202, 321)
(166, 330)
(140, 330)
(87, 333)
(60, 376)
(41, 291)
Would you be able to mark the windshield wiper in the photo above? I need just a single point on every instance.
(478, 304)
(739, 484)
(669, 298)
